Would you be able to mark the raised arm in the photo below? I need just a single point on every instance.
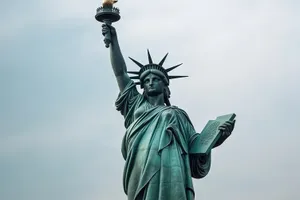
(116, 58)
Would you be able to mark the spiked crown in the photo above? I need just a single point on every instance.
(153, 68)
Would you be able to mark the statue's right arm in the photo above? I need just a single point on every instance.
(116, 58)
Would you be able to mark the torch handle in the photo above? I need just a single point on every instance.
(107, 37)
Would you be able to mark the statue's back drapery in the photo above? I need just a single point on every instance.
(156, 149)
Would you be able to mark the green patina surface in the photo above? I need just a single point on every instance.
(161, 148)
(156, 149)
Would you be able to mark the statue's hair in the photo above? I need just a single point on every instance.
(167, 94)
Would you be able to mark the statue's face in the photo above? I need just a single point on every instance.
(153, 85)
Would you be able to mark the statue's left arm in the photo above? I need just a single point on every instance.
(200, 165)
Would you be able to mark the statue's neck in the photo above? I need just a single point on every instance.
(156, 100)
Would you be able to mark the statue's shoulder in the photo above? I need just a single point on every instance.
(181, 112)
(178, 110)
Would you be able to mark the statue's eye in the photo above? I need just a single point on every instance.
(146, 80)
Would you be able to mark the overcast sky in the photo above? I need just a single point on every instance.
(60, 134)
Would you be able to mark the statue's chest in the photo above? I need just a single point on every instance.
(142, 109)
(164, 114)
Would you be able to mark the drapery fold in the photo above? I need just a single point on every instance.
(155, 147)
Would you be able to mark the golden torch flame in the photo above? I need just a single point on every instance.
(109, 2)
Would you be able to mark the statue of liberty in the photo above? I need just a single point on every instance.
(159, 164)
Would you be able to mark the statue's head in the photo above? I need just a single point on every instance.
(153, 78)
(154, 85)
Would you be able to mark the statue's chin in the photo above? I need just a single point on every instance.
(153, 93)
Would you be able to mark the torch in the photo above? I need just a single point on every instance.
(108, 14)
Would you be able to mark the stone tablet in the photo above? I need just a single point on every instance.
(210, 134)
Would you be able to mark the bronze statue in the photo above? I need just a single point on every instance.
(160, 146)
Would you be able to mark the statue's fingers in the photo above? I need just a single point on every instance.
(227, 134)
(230, 123)
(224, 131)
(109, 26)
(105, 26)
(225, 126)
(228, 128)
(104, 32)
(223, 134)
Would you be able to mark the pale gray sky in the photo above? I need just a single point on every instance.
(60, 134)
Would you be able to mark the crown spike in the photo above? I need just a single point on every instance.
(173, 77)
(171, 68)
(134, 77)
(149, 57)
(132, 72)
(163, 60)
(136, 62)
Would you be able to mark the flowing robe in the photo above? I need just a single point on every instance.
(156, 149)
